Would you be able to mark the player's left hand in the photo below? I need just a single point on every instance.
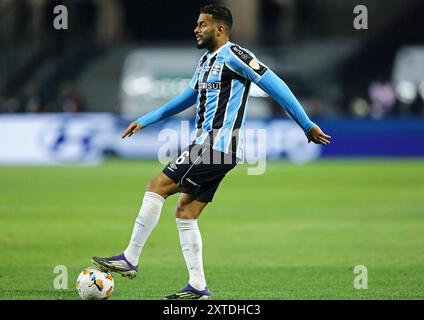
(317, 136)
(132, 128)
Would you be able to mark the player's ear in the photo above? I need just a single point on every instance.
(220, 29)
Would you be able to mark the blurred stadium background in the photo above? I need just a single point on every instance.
(67, 95)
(114, 58)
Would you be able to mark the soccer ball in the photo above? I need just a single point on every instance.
(93, 284)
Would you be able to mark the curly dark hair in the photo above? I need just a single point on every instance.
(219, 13)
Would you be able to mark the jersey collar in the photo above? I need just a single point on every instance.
(210, 55)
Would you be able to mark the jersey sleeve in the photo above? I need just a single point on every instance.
(193, 82)
(244, 63)
(280, 92)
(181, 102)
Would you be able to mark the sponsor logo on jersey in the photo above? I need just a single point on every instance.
(244, 55)
(210, 85)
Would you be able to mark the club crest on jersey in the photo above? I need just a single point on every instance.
(216, 69)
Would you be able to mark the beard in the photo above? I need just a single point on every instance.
(205, 43)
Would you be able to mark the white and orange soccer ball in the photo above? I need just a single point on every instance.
(93, 284)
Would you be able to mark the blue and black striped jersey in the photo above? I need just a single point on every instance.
(222, 80)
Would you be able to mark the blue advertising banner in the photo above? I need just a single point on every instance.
(374, 138)
(85, 138)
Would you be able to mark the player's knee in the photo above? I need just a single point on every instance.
(155, 186)
(183, 212)
(162, 185)
(152, 185)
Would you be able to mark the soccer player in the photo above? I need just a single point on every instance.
(220, 89)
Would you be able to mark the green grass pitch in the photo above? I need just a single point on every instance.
(295, 232)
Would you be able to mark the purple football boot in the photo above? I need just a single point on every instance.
(118, 264)
(190, 293)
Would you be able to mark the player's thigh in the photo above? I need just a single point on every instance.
(188, 207)
(162, 185)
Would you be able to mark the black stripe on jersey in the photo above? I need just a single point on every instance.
(247, 58)
(239, 119)
(240, 113)
(203, 59)
(202, 101)
(223, 99)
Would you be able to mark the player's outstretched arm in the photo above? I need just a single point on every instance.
(281, 93)
(181, 102)
(245, 64)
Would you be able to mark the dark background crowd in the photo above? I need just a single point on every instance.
(333, 68)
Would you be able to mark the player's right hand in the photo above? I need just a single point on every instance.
(132, 128)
